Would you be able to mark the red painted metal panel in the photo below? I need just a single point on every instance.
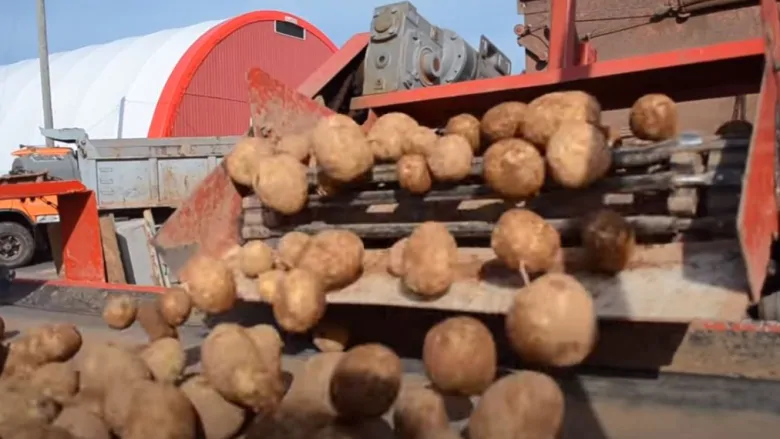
(215, 102)
(334, 65)
(716, 70)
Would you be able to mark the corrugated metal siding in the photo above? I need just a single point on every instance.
(216, 100)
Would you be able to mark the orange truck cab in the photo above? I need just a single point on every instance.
(23, 221)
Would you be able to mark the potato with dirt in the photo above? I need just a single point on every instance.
(525, 242)
(297, 145)
(165, 359)
(268, 285)
(467, 126)
(429, 260)
(578, 155)
(395, 258)
(120, 311)
(300, 303)
(33, 430)
(153, 322)
(654, 117)
(241, 162)
(524, 404)
(218, 418)
(82, 424)
(101, 365)
(546, 113)
(23, 405)
(419, 412)
(268, 341)
(159, 410)
(464, 341)
(41, 345)
(290, 248)
(388, 136)
(514, 169)
(236, 368)
(421, 140)
(552, 321)
(503, 121)
(609, 241)
(450, 159)
(341, 149)
(117, 402)
(365, 382)
(282, 184)
(175, 306)
(256, 257)
(58, 381)
(210, 284)
(335, 257)
(413, 174)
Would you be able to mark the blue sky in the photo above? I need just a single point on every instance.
(76, 23)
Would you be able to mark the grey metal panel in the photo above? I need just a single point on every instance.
(179, 176)
(124, 183)
(160, 148)
(138, 263)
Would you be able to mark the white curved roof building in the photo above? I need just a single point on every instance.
(169, 83)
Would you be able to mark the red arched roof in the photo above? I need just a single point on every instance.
(177, 83)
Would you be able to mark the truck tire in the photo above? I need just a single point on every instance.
(17, 245)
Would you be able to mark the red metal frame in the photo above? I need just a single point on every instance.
(334, 65)
(82, 252)
(716, 70)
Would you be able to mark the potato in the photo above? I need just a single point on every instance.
(45, 344)
(22, 405)
(653, 117)
(395, 258)
(285, 424)
(282, 184)
(419, 412)
(33, 430)
(450, 159)
(58, 381)
(119, 312)
(82, 424)
(464, 341)
(241, 162)
(101, 365)
(297, 145)
(219, 419)
(413, 174)
(268, 341)
(300, 303)
(546, 113)
(522, 405)
(151, 319)
(210, 284)
(552, 321)
(235, 367)
(116, 404)
(388, 136)
(503, 121)
(429, 259)
(578, 155)
(514, 168)
(290, 248)
(366, 381)
(374, 428)
(523, 240)
(160, 410)
(268, 285)
(329, 336)
(256, 257)
(88, 400)
(310, 390)
(165, 359)
(341, 148)
(421, 139)
(609, 241)
(335, 257)
(465, 125)
(175, 306)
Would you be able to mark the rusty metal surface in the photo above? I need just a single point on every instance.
(207, 222)
(664, 283)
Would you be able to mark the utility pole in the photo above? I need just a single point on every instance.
(43, 57)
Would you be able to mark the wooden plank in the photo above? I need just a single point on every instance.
(115, 269)
(678, 282)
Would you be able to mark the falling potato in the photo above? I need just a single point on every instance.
(578, 155)
(609, 241)
(654, 117)
(514, 168)
(503, 121)
(523, 240)
(467, 126)
(413, 174)
(546, 113)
